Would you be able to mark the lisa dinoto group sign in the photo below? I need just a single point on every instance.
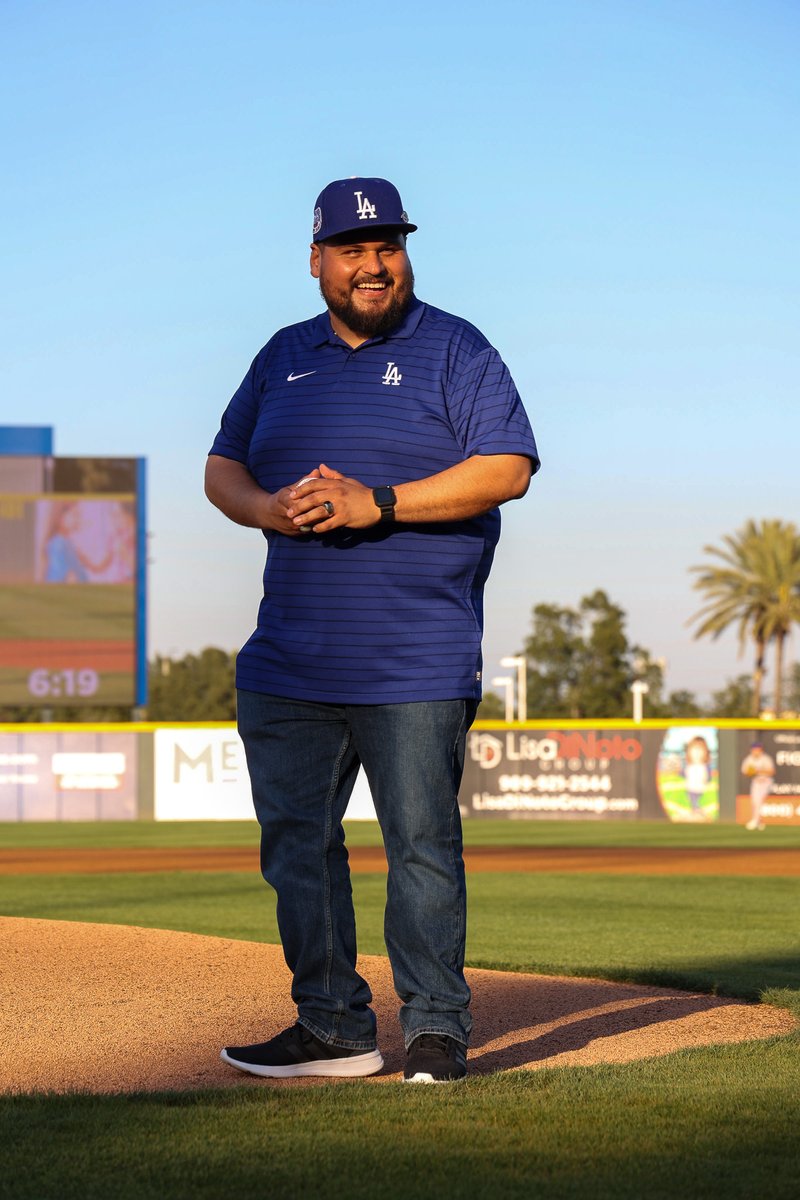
(560, 773)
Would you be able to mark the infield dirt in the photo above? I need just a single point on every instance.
(626, 860)
(116, 1008)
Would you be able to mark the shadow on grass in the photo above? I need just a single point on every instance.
(699, 1126)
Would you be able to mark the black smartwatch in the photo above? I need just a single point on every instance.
(385, 499)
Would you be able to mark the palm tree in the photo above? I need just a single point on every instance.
(757, 587)
(779, 556)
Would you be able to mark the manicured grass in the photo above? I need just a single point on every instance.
(477, 832)
(73, 835)
(717, 1122)
(706, 933)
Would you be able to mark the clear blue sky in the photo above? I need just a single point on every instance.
(609, 190)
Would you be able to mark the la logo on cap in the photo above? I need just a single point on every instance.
(365, 210)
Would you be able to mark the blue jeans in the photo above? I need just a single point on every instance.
(303, 759)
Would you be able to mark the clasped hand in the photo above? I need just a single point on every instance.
(303, 504)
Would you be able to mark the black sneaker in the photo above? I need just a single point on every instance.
(297, 1051)
(435, 1058)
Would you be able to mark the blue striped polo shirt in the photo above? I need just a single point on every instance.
(392, 613)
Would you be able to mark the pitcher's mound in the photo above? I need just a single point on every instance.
(115, 1008)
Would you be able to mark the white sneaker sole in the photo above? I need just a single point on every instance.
(342, 1068)
(424, 1077)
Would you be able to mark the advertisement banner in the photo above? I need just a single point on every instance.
(555, 774)
(687, 773)
(768, 791)
(68, 776)
(598, 774)
(201, 775)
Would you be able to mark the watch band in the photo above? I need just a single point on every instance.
(385, 499)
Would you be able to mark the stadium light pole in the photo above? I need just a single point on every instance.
(521, 663)
(508, 683)
(640, 690)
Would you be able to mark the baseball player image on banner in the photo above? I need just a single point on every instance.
(769, 783)
(759, 768)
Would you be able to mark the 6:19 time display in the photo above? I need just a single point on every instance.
(69, 682)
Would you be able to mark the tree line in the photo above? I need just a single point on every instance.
(581, 664)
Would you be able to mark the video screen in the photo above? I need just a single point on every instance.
(70, 586)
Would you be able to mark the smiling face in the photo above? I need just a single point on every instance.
(697, 750)
(367, 286)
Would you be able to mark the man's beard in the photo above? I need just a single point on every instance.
(371, 324)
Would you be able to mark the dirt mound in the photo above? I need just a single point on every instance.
(116, 1008)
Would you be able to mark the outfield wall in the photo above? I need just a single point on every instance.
(575, 770)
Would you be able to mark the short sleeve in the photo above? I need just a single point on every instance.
(239, 419)
(486, 410)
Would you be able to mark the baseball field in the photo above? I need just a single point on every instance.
(636, 999)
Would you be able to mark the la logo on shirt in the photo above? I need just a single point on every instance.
(392, 375)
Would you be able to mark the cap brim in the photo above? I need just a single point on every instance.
(362, 230)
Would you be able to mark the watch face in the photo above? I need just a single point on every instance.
(384, 497)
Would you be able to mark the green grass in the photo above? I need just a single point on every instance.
(735, 936)
(477, 832)
(713, 1122)
(718, 1122)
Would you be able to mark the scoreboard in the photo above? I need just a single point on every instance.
(72, 581)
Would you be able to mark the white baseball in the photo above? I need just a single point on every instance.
(305, 479)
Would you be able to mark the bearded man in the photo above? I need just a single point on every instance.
(372, 445)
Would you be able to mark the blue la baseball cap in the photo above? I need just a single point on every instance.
(360, 206)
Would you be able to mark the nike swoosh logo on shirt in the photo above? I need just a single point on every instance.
(291, 377)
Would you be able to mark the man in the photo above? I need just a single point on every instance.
(372, 445)
(759, 767)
